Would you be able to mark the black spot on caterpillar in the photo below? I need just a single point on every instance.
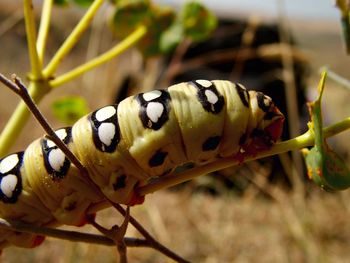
(157, 159)
(120, 183)
(125, 145)
(211, 143)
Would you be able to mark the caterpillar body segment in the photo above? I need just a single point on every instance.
(48, 189)
(156, 143)
(56, 182)
(123, 146)
(109, 164)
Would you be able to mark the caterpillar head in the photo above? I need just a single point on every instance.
(264, 126)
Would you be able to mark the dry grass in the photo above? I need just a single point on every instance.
(226, 229)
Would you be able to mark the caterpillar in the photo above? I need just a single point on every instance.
(123, 146)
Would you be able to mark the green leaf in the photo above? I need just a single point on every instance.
(129, 15)
(159, 21)
(171, 38)
(164, 30)
(198, 22)
(324, 166)
(69, 109)
(133, 13)
(83, 3)
(60, 2)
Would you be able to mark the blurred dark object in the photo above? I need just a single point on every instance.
(245, 52)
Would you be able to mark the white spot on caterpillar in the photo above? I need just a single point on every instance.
(205, 83)
(267, 100)
(211, 96)
(56, 159)
(154, 111)
(105, 113)
(61, 133)
(152, 95)
(8, 184)
(106, 133)
(246, 95)
(8, 163)
(50, 143)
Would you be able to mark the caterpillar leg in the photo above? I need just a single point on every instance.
(19, 239)
(136, 199)
(265, 132)
(116, 233)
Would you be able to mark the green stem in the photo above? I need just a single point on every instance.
(316, 113)
(39, 84)
(72, 39)
(19, 118)
(103, 58)
(29, 17)
(304, 140)
(44, 28)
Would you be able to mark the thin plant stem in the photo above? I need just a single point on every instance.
(337, 78)
(72, 39)
(154, 243)
(29, 18)
(37, 88)
(76, 236)
(69, 235)
(304, 140)
(44, 28)
(21, 90)
(19, 118)
(116, 234)
(103, 58)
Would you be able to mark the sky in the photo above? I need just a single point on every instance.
(303, 9)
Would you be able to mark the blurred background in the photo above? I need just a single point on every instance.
(264, 210)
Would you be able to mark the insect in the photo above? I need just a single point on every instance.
(123, 146)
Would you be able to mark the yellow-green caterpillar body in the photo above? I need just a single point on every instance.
(123, 146)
